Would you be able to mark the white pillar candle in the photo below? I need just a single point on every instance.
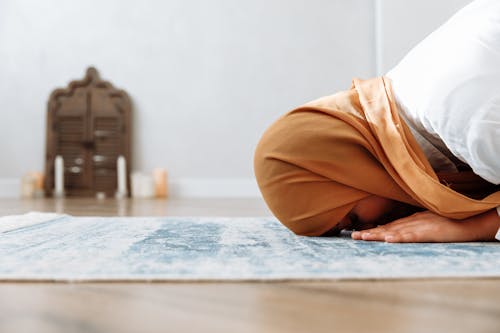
(59, 176)
(143, 185)
(122, 177)
(135, 184)
(148, 187)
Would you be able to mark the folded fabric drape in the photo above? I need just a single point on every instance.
(317, 161)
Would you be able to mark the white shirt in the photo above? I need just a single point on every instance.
(497, 236)
(448, 91)
(449, 85)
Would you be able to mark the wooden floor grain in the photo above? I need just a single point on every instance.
(442, 305)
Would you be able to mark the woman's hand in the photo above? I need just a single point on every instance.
(427, 227)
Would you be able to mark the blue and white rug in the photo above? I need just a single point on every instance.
(55, 247)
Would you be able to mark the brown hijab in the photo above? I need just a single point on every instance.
(315, 162)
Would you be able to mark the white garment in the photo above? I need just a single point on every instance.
(497, 236)
(435, 150)
(448, 88)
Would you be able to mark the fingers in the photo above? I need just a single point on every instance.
(386, 236)
(392, 226)
(393, 233)
(401, 230)
(420, 227)
(408, 237)
(370, 235)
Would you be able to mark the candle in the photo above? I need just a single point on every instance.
(28, 183)
(59, 176)
(122, 177)
(160, 179)
(148, 187)
(143, 185)
(136, 184)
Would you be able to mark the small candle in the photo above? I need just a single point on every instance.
(28, 183)
(136, 183)
(38, 193)
(38, 180)
(59, 176)
(122, 177)
(143, 185)
(160, 179)
(148, 187)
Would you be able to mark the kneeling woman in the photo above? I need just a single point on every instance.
(410, 157)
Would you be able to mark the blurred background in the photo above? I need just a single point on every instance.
(205, 77)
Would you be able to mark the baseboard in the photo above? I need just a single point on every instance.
(178, 188)
(214, 187)
(10, 187)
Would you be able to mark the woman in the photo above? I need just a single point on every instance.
(410, 157)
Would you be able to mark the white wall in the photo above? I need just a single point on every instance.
(206, 77)
(404, 23)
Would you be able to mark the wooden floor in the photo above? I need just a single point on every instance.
(457, 305)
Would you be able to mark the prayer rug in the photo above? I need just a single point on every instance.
(51, 247)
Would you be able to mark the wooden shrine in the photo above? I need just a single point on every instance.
(89, 126)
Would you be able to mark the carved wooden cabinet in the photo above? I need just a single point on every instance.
(89, 125)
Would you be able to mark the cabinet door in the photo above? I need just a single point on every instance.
(72, 141)
(106, 121)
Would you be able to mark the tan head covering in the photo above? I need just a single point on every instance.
(314, 163)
